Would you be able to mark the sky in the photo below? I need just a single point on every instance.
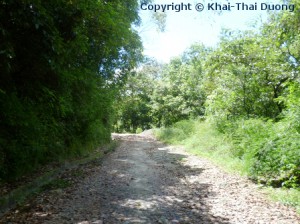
(187, 27)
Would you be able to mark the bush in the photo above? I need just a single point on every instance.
(270, 151)
(178, 132)
(249, 135)
(138, 131)
(278, 161)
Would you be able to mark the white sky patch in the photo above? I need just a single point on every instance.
(187, 27)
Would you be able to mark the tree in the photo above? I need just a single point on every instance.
(134, 102)
(246, 77)
(179, 94)
(58, 76)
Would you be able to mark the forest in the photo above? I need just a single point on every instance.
(72, 72)
(58, 77)
(244, 92)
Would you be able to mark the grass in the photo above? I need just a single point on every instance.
(56, 184)
(289, 197)
(50, 180)
(202, 139)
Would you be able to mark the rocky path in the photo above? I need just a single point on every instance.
(144, 181)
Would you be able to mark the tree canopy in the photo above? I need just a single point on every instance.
(61, 64)
(247, 87)
(73, 71)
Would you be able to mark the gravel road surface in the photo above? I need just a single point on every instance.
(145, 181)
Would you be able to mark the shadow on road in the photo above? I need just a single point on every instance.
(154, 187)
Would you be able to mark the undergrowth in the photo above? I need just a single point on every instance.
(49, 178)
(290, 197)
(201, 139)
(265, 151)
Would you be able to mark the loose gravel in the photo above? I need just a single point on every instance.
(145, 181)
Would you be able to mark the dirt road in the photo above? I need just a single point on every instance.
(144, 181)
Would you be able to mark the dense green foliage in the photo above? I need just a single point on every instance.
(133, 105)
(160, 95)
(179, 94)
(64, 84)
(247, 88)
(61, 64)
(202, 138)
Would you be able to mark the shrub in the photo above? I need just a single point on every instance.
(139, 130)
(178, 132)
(270, 151)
